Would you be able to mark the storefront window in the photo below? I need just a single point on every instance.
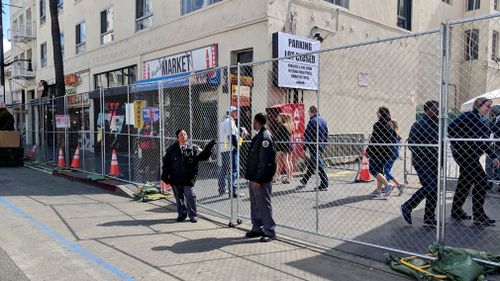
(115, 78)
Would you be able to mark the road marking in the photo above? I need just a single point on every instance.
(66, 243)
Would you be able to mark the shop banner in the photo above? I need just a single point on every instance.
(138, 121)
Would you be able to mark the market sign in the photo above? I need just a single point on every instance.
(299, 72)
(189, 61)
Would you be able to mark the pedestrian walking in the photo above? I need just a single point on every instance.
(425, 160)
(472, 125)
(283, 146)
(316, 126)
(389, 176)
(180, 170)
(260, 170)
(379, 151)
(228, 148)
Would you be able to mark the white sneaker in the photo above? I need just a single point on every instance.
(377, 195)
(374, 193)
(387, 190)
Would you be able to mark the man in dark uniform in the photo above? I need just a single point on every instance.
(260, 169)
(425, 160)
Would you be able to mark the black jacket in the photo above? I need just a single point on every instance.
(382, 133)
(261, 164)
(425, 131)
(181, 169)
(469, 125)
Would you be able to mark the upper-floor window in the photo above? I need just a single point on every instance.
(404, 14)
(341, 3)
(60, 5)
(43, 54)
(107, 25)
(43, 12)
(472, 44)
(80, 37)
(143, 14)
(473, 5)
(188, 6)
(494, 46)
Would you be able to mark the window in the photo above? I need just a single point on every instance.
(404, 14)
(341, 3)
(60, 5)
(188, 6)
(472, 44)
(80, 37)
(43, 54)
(62, 44)
(107, 25)
(42, 12)
(118, 77)
(143, 14)
(494, 46)
(473, 5)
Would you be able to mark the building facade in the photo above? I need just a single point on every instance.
(113, 43)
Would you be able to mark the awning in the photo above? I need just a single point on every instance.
(178, 80)
(493, 95)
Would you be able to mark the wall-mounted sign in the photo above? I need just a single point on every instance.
(151, 114)
(190, 61)
(300, 72)
(62, 121)
(80, 100)
(72, 80)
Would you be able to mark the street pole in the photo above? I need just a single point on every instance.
(2, 70)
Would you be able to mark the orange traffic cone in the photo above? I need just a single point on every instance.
(114, 170)
(60, 158)
(31, 154)
(164, 187)
(75, 163)
(364, 172)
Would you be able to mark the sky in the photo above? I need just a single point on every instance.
(6, 26)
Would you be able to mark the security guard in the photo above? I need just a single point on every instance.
(260, 169)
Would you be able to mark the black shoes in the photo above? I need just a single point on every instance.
(484, 221)
(460, 215)
(406, 213)
(430, 223)
(267, 238)
(321, 188)
(254, 234)
(194, 219)
(181, 218)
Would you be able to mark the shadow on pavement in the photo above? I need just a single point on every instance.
(344, 201)
(204, 245)
(139, 222)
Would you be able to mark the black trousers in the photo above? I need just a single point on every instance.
(428, 175)
(471, 175)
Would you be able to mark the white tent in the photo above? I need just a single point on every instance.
(493, 95)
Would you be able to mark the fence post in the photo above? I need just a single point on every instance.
(442, 150)
(238, 162)
(128, 134)
(103, 132)
(190, 108)
(318, 155)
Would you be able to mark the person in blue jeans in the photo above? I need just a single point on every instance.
(425, 160)
(228, 147)
(389, 176)
(311, 139)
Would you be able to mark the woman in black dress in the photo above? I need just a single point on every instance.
(283, 147)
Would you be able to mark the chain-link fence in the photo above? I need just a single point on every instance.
(398, 103)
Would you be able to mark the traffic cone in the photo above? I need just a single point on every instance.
(164, 187)
(114, 170)
(60, 158)
(75, 163)
(31, 154)
(364, 172)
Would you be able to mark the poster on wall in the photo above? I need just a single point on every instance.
(138, 121)
(151, 114)
(299, 72)
(62, 121)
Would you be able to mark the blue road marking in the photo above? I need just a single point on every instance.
(66, 243)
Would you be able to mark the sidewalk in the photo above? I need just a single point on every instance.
(103, 236)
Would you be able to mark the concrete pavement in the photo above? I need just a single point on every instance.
(54, 229)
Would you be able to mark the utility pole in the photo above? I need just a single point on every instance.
(2, 70)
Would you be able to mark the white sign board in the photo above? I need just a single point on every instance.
(190, 61)
(299, 72)
(62, 121)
